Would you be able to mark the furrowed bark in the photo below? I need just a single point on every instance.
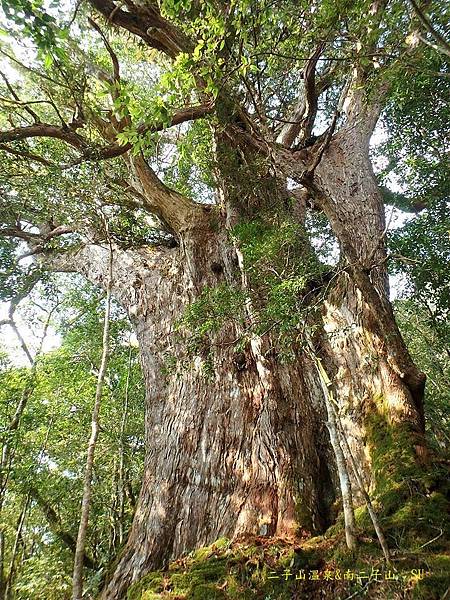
(232, 454)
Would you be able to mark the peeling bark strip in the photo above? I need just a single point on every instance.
(344, 479)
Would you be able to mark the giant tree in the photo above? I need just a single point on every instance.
(214, 137)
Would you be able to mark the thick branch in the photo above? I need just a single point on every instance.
(44, 130)
(147, 23)
(130, 267)
(178, 212)
(113, 150)
(303, 117)
(442, 44)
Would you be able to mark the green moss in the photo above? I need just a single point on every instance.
(151, 583)
(303, 515)
(207, 592)
(263, 569)
(208, 314)
(391, 447)
(408, 497)
(226, 572)
(436, 583)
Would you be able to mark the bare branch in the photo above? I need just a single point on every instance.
(17, 232)
(112, 54)
(28, 236)
(26, 154)
(30, 69)
(16, 97)
(305, 110)
(55, 525)
(435, 47)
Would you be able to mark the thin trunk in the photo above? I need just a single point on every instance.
(55, 526)
(13, 426)
(12, 564)
(341, 463)
(2, 565)
(12, 568)
(363, 490)
(113, 513)
(77, 591)
(121, 483)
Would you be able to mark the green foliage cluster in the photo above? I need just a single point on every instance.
(214, 307)
(427, 337)
(281, 267)
(192, 171)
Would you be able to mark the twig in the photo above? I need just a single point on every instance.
(433, 540)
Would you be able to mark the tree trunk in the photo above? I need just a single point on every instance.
(236, 443)
(236, 440)
(77, 586)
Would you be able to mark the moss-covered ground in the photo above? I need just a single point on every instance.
(321, 567)
(412, 501)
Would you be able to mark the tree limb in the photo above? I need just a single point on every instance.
(443, 45)
(72, 138)
(304, 113)
(190, 113)
(44, 130)
(26, 154)
(176, 211)
(16, 97)
(147, 23)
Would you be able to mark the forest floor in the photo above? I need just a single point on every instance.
(414, 510)
(319, 567)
